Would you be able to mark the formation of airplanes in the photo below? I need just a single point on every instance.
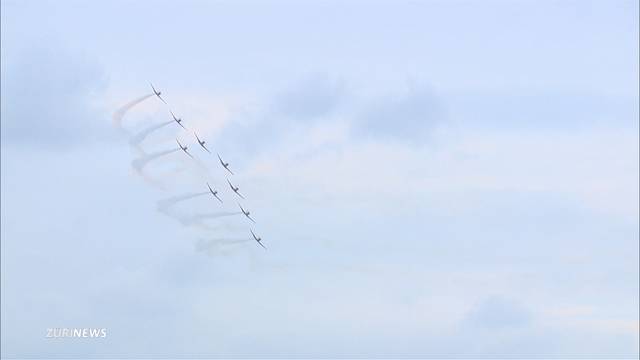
(225, 165)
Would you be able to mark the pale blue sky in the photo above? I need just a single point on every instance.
(432, 179)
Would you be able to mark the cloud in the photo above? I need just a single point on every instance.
(498, 313)
(51, 99)
(407, 118)
(535, 111)
(314, 96)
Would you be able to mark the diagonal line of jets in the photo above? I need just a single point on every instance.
(224, 164)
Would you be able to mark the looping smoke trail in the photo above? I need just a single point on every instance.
(213, 246)
(219, 227)
(139, 137)
(198, 218)
(118, 115)
(164, 204)
(195, 220)
(139, 163)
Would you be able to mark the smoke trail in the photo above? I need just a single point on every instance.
(198, 218)
(136, 139)
(139, 163)
(217, 246)
(219, 227)
(204, 244)
(164, 205)
(119, 114)
(193, 220)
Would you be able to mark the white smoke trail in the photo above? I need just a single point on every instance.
(136, 139)
(118, 115)
(165, 204)
(139, 163)
(218, 246)
(218, 227)
(199, 218)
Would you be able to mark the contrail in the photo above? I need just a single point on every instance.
(139, 163)
(136, 139)
(119, 114)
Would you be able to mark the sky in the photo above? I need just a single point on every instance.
(430, 178)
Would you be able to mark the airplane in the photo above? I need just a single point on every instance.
(201, 142)
(215, 193)
(258, 239)
(235, 189)
(246, 213)
(178, 120)
(184, 148)
(157, 93)
(226, 165)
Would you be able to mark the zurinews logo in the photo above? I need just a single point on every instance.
(76, 333)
